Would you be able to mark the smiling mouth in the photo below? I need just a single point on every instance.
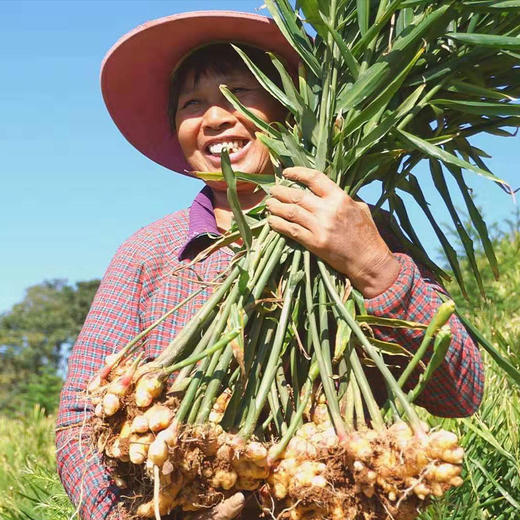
(232, 146)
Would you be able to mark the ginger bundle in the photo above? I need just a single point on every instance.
(247, 411)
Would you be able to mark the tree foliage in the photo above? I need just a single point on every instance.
(35, 338)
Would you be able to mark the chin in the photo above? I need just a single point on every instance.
(247, 187)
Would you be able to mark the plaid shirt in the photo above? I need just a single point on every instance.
(138, 288)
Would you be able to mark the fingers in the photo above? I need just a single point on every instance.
(298, 196)
(315, 180)
(291, 212)
(291, 230)
(228, 509)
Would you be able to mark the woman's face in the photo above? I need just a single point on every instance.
(206, 122)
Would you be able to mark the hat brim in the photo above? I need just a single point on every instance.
(135, 73)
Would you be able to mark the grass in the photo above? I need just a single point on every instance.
(491, 437)
(29, 485)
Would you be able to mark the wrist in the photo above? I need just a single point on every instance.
(378, 276)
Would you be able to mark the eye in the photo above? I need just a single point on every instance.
(189, 102)
(238, 90)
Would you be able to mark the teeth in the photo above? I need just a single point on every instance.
(232, 146)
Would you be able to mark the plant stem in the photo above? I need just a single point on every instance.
(359, 409)
(276, 451)
(208, 338)
(283, 392)
(325, 370)
(195, 408)
(143, 333)
(177, 346)
(237, 399)
(215, 384)
(440, 318)
(224, 340)
(364, 386)
(274, 357)
(247, 408)
(348, 400)
(371, 351)
(276, 409)
(187, 401)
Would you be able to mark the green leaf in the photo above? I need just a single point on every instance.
(414, 189)
(345, 52)
(481, 108)
(397, 206)
(493, 41)
(389, 348)
(476, 219)
(389, 322)
(363, 15)
(314, 15)
(234, 203)
(390, 121)
(462, 87)
(267, 84)
(343, 333)
(493, 4)
(288, 83)
(277, 147)
(260, 123)
(487, 436)
(386, 67)
(440, 348)
(404, 20)
(284, 16)
(381, 101)
(413, 3)
(438, 153)
(415, 251)
(495, 482)
(442, 188)
(261, 179)
(376, 28)
(296, 151)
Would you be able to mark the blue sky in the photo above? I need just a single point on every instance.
(72, 188)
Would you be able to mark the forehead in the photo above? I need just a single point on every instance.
(194, 79)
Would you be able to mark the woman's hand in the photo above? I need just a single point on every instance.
(226, 510)
(335, 228)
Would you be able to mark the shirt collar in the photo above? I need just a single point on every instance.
(202, 227)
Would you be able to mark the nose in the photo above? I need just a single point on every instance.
(218, 117)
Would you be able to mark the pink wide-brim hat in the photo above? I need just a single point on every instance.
(135, 74)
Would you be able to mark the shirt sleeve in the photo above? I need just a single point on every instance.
(456, 387)
(112, 321)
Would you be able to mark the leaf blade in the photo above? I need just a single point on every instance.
(234, 203)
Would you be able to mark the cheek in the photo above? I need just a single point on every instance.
(187, 136)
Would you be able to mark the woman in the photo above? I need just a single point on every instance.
(140, 90)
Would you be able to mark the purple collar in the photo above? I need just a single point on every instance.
(202, 227)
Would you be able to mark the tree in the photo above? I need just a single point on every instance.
(35, 339)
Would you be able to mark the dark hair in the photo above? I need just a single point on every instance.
(219, 58)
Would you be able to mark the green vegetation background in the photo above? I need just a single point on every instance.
(38, 332)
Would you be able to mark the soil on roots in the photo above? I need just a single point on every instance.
(341, 496)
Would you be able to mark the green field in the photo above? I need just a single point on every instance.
(30, 488)
(29, 485)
